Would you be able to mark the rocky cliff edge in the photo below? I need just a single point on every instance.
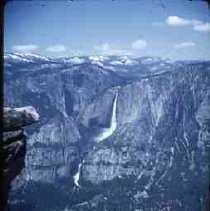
(13, 146)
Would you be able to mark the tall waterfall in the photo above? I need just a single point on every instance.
(107, 132)
(77, 176)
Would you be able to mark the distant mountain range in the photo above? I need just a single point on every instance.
(123, 65)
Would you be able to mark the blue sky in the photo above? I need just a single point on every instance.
(178, 29)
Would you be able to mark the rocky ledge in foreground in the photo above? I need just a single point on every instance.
(14, 145)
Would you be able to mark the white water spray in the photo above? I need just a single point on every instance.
(77, 176)
(107, 132)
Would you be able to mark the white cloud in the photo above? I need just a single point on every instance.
(139, 45)
(25, 48)
(177, 21)
(184, 45)
(107, 49)
(196, 24)
(204, 27)
(56, 48)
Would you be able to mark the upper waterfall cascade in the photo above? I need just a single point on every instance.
(107, 132)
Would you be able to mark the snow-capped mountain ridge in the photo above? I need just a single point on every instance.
(25, 56)
(124, 59)
(128, 67)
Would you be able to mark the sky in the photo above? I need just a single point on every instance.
(178, 29)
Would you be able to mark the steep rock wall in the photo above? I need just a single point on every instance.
(14, 146)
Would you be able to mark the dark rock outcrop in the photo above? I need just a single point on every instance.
(14, 146)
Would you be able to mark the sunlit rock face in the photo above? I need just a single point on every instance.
(154, 156)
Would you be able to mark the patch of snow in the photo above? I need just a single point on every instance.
(107, 132)
(16, 57)
(34, 56)
(110, 68)
(124, 57)
(25, 57)
(97, 63)
(150, 60)
(129, 62)
(96, 58)
(116, 63)
(76, 60)
(126, 60)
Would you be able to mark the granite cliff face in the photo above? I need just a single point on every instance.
(155, 117)
(162, 116)
(14, 146)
